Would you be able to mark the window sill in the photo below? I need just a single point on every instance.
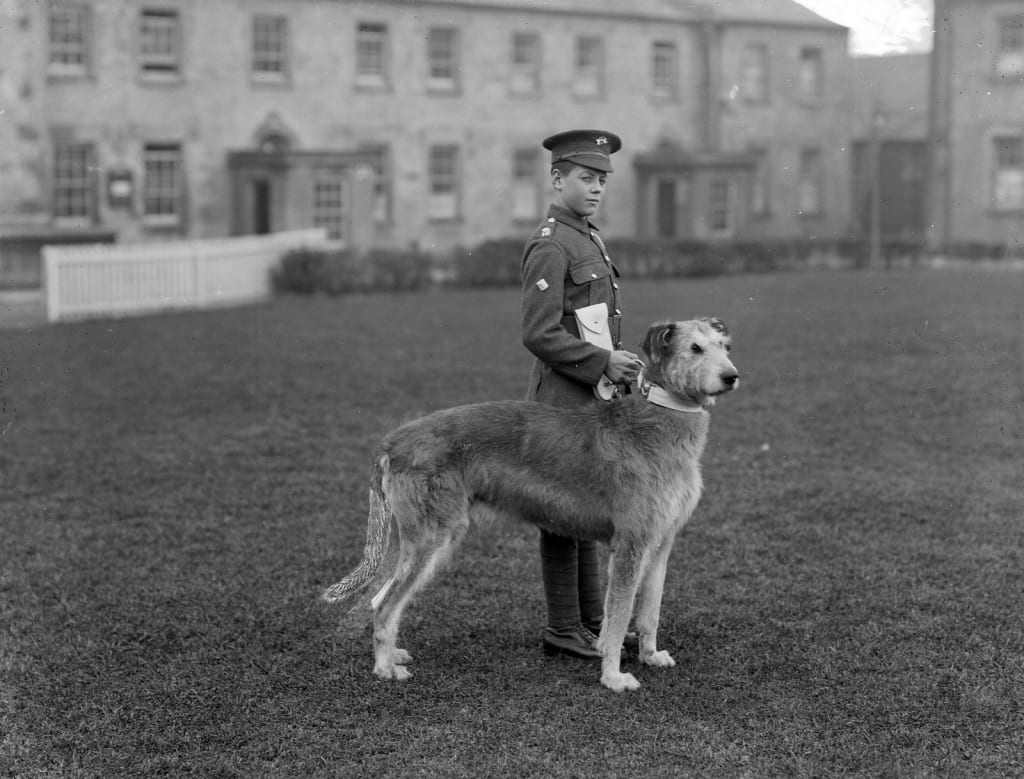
(161, 79)
(62, 76)
(270, 81)
(661, 98)
(444, 91)
(166, 224)
(368, 85)
(73, 223)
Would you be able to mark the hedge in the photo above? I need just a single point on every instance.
(497, 262)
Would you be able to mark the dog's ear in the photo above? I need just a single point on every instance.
(656, 341)
(716, 324)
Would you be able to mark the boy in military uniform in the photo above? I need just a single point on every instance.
(566, 267)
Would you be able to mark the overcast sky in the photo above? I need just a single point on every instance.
(880, 26)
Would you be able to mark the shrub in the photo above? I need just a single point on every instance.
(493, 263)
(300, 270)
(340, 271)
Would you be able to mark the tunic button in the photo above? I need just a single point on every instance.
(593, 275)
(614, 285)
(618, 311)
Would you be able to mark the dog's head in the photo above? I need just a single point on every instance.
(690, 359)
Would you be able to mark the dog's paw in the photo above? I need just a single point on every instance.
(660, 659)
(399, 673)
(400, 657)
(619, 682)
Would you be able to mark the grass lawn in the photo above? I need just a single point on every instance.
(848, 600)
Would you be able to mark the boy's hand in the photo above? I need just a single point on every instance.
(623, 367)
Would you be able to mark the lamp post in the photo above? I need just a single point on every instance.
(878, 122)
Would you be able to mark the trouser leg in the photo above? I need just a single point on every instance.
(560, 572)
(591, 594)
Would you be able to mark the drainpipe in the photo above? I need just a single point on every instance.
(938, 213)
(711, 85)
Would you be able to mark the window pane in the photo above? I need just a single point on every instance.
(754, 72)
(760, 194)
(525, 63)
(1011, 33)
(1008, 176)
(69, 39)
(809, 188)
(664, 69)
(589, 67)
(72, 181)
(442, 56)
(270, 46)
(443, 202)
(329, 203)
(371, 53)
(162, 182)
(811, 73)
(1009, 151)
(158, 42)
(720, 206)
(378, 157)
(525, 184)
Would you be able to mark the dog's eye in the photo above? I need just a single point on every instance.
(697, 349)
(728, 347)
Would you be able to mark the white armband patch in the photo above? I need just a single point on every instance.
(542, 285)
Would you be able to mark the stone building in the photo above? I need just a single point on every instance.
(404, 122)
(976, 134)
(889, 124)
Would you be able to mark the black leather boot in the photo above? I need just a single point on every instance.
(575, 642)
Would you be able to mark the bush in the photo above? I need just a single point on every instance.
(492, 263)
(340, 271)
(497, 262)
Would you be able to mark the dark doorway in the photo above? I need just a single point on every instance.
(665, 209)
(900, 169)
(261, 222)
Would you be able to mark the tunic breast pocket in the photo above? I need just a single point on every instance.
(590, 283)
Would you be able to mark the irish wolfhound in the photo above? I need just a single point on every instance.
(626, 473)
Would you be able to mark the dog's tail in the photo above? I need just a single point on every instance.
(378, 531)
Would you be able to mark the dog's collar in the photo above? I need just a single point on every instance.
(660, 397)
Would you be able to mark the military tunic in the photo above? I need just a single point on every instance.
(566, 267)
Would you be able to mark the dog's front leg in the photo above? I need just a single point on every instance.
(624, 567)
(648, 612)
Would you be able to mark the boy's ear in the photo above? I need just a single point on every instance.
(556, 178)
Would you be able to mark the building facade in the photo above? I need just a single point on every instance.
(397, 123)
(976, 133)
(890, 146)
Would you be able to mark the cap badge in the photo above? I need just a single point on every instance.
(601, 140)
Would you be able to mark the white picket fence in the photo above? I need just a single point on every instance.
(122, 279)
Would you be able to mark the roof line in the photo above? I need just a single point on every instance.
(697, 15)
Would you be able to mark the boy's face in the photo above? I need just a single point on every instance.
(580, 190)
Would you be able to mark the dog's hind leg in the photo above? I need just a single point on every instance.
(417, 564)
(625, 566)
(648, 609)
